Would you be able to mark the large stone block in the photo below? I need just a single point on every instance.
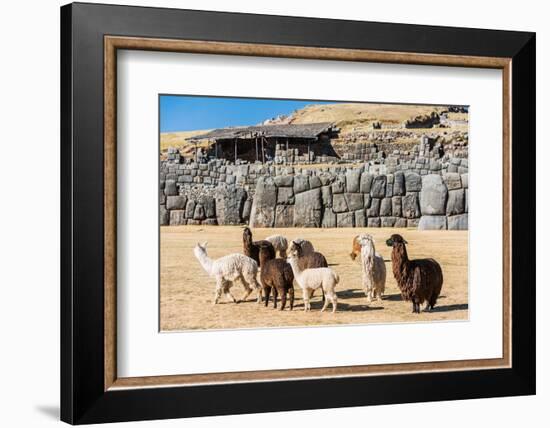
(353, 178)
(366, 182)
(329, 218)
(400, 222)
(265, 199)
(284, 180)
(410, 207)
(457, 222)
(399, 184)
(432, 222)
(360, 218)
(339, 185)
(190, 208)
(466, 200)
(452, 180)
(307, 209)
(199, 213)
(413, 182)
(374, 208)
(345, 220)
(164, 216)
(433, 196)
(374, 222)
(247, 208)
(339, 203)
(396, 206)
(354, 201)
(176, 202)
(455, 202)
(378, 188)
(229, 205)
(464, 180)
(386, 207)
(413, 222)
(326, 196)
(284, 216)
(177, 217)
(387, 221)
(314, 182)
(285, 196)
(170, 188)
(301, 183)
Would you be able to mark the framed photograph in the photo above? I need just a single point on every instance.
(277, 213)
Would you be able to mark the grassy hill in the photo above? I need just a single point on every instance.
(351, 118)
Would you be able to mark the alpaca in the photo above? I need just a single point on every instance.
(305, 245)
(419, 280)
(311, 279)
(227, 270)
(252, 248)
(276, 275)
(280, 244)
(307, 257)
(355, 247)
(374, 269)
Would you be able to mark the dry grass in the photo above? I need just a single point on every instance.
(187, 292)
(179, 139)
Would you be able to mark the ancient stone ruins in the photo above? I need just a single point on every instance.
(425, 186)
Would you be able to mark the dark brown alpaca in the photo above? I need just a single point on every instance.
(419, 280)
(252, 248)
(276, 275)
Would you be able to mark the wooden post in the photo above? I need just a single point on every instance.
(256, 141)
(196, 154)
(286, 157)
(216, 148)
(263, 153)
(308, 151)
(235, 150)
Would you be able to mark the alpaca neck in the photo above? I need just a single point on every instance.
(205, 261)
(368, 261)
(400, 259)
(293, 262)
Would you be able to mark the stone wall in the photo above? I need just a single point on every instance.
(341, 196)
(425, 188)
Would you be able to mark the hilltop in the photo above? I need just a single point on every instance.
(357, 122)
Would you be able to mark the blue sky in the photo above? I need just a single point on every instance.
(188, 113)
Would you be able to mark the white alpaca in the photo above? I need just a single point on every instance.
(280, 244)
(374, 269)
(312, 279)
(227, 270)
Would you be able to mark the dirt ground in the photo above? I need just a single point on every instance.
(186, 291)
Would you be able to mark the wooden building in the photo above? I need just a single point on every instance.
(265, 142)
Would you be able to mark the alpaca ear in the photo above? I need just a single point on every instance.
(405, 242)
(204, 244)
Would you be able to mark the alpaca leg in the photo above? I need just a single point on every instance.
(305, 294)
(230, 296)
(220, 285)
(282, 253)
(275, 293)
(267, 292)
(325, 304)
(253, 285)
(334, 301)
(283, 299)
(291, 295)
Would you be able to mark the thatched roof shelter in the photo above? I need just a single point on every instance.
(309, 131)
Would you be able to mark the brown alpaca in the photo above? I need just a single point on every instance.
(276, 275)
(355, 248)
(252, 248)
(419, 280)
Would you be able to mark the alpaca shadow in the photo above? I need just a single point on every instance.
(345, 307)
(351, 294)
(392, 297)
(448, 308)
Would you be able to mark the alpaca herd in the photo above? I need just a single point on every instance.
(418, 280)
